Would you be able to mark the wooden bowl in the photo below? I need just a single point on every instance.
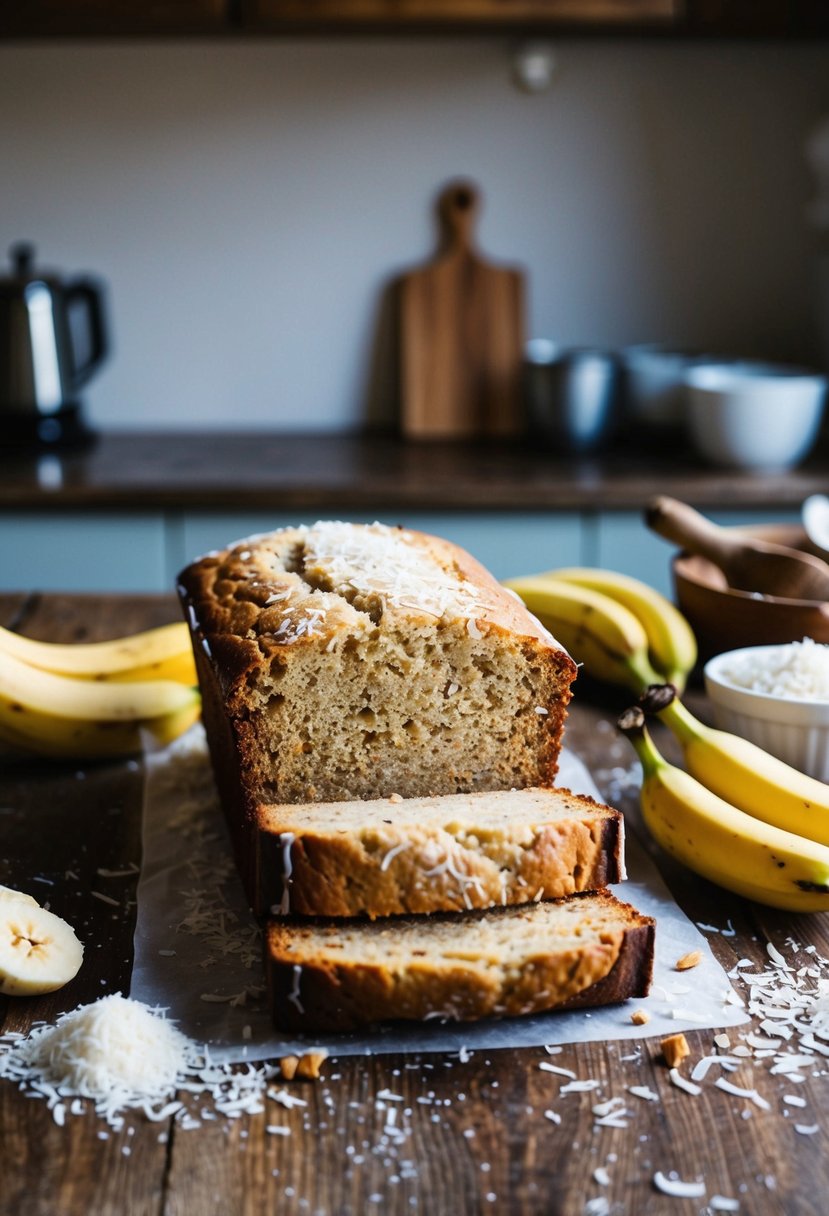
(724, 619)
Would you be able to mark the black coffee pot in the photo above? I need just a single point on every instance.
(53, 337)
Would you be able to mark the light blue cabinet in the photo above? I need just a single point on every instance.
(80, 551)
(91, 551)
(506, 543)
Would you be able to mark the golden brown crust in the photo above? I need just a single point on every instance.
(226, 596)
(418, 856)
(310, 990)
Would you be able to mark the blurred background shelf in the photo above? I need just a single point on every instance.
(130, 511)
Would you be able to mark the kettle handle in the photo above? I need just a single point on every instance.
(87, 293)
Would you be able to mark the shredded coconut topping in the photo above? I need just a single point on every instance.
(798, 671)
(388, 564)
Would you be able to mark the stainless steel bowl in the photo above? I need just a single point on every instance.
(570, 396)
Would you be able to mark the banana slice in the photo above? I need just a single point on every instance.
(39, 952)
(9, 893)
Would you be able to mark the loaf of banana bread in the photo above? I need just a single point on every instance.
(346, 661)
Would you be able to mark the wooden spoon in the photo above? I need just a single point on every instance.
(747, 563)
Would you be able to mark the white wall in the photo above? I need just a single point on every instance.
(246, 202)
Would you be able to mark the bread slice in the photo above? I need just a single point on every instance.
(393, 856)
(344, 661)
(583, 951)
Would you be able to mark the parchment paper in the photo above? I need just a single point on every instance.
(197, 947)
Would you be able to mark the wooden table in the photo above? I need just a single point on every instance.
(481, 1144)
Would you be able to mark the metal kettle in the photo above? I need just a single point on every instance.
(53, 337)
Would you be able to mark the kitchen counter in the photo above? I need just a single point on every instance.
(268, 471)
(472, 1135)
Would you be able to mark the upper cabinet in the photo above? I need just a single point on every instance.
(772, 18)
(436, 14)
(102, 18)
(262, 18)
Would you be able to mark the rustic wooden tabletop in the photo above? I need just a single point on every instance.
(468, 1135)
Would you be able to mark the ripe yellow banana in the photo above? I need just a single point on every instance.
(156, 654)
(672, 646)
(45, 734)
(39, 951)
(720, 842)
(596, 630)
(744, 774)
(11, 893)
(91, 700)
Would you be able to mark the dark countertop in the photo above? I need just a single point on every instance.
(272, 471)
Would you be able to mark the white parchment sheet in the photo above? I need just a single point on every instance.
(197, 948)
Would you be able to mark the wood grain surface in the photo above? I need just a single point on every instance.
(469, 1137)
(461, 334)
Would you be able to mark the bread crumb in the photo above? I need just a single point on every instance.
(640, 1017)
(688, 961)
(288, 1066)
(308, 1066)
(675, 1048)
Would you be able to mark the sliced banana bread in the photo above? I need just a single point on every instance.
(345, 661)
(579, 952)
(392, 856)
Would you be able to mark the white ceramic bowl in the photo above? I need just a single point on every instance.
(794, 730)
(754, 416)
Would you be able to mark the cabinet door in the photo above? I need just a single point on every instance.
(264, 14)
(69, 18)
(772, 18)
(507, 544)
(80, 552)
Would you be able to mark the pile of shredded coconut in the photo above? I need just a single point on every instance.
(117, 1052)
(798, 671)
(123, 1055)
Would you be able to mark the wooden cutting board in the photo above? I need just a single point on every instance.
(461, 334)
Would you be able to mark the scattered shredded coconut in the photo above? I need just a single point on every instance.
(677, 1188)
(560, 1072)
(722, 1203)
(681, 1082)
(643, 1092)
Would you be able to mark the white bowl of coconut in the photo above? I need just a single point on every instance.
(778, 697)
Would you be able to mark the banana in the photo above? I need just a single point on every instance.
(7, 893)
(30, 730)
(596, 630)
(156, 654)
(744, 774)
(39, 951)
(672, 646)
(89, 700)
(722, 843)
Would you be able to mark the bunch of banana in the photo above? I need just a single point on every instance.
(622, 630)
(719, 841)
(742, 773)
(93, 700)
(39, 951)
